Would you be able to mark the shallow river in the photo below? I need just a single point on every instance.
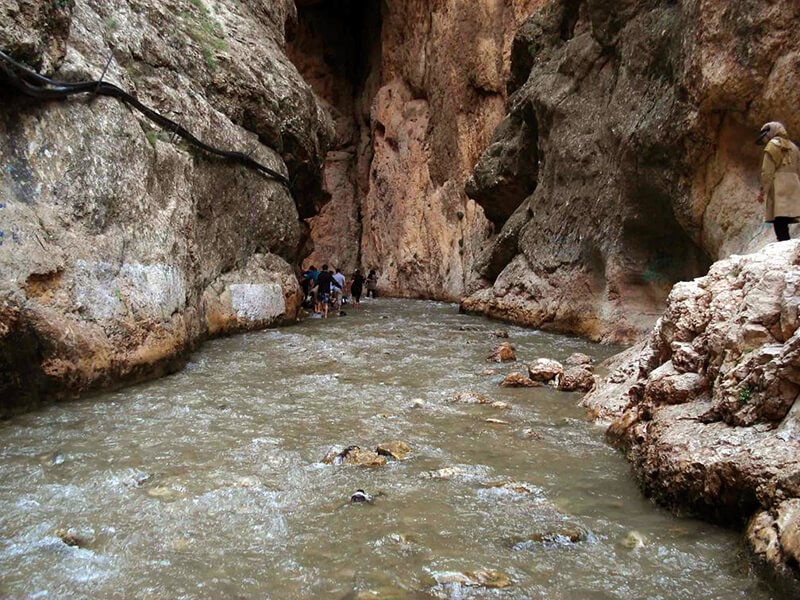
(209, 483)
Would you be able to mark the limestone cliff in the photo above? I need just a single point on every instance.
(120, 245)
(626, 162)
(424, 90)
(706, 408)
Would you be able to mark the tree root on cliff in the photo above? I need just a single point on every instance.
(44, 88)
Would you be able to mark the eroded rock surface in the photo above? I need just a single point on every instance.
(707, 409)
(626, 162)
(122, 246)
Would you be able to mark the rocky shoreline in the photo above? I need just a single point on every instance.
(705, 409)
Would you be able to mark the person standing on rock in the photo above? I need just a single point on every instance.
(372, 284)
(780, 178)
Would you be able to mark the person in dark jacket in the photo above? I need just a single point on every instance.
(372, 284)
(357, 287)
(325, 281)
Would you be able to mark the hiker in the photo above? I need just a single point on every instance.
(357, 287)
(309, 280)
(339, 278)
(780, 183)
(325, 282)
(372, 284)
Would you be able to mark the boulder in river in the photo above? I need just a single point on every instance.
(577, 379)
(519, 380)
(395, 450)
(545, 370)
(501, 333)
(354, 455)
(499, 404)
(479, 578)
(504, 352)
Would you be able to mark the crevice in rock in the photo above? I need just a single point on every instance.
(336, 47)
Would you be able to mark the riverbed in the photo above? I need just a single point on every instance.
(210, 483)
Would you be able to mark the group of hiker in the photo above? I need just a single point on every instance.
(323, 288)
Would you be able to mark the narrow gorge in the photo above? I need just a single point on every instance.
(582, 170)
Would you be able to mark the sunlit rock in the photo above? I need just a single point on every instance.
(395, 450)
(504, 352)
(519, 380)
(545, 370)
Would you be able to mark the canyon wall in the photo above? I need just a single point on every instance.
(626, 162)
(426, 89)
(121, 246)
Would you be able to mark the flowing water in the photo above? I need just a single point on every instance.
(209, 483)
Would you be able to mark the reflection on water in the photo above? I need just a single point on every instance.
(209, 483)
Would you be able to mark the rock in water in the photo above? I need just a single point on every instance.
(73, 537)
(479, 578)
(576, 379)
(417, 403)
(396, 450)
(504, 352)
(445, 473)
(360, 496)
(354, 455)
(545, 370)
(519, 380)
(500, 405)
(470, 398)
(578, 359)
(634, 540)
(501, 333)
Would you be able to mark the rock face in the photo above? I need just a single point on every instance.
(413, 114)
(122, 247)
(626, 161)
(707, 409)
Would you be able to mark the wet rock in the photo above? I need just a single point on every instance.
(501, 333)
(577, 359)
(519, 380)
(545, 370)
(417, 403)
(499, 404)
(361, 497)
(395, 450)
(354, 455)
(490, 372)
(562, 535)
(576, 379)
(479, 578)
(494, 421)
(74, 537)
(504, 352)
(444, 473)
(167, 494)
(470, 398)
(517, 488)
(634, 540)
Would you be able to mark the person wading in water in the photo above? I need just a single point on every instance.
(357, 287)
(324, 282)
(372, 284)
(780, 183)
